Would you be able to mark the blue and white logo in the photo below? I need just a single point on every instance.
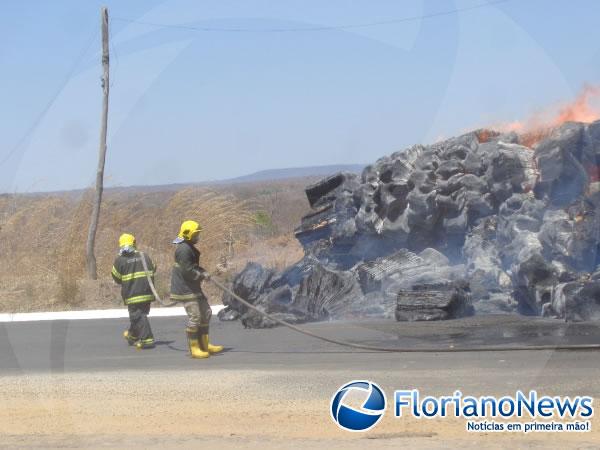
(370, 412)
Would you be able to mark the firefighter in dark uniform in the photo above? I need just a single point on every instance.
(186, 280)
(128, 271)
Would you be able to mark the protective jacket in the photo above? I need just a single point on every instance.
(128, 271)
(187, 273)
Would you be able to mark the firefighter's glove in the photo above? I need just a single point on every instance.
(204, 275)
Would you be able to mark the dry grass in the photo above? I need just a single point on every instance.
(42, 238)
(277, 252)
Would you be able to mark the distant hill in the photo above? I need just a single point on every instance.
(256, 177)
(295, 172)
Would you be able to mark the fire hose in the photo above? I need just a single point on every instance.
(450, 349)
(151, 283)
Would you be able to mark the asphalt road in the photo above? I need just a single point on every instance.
(97, 345)
(271, 388)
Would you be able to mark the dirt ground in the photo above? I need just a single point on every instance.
(221, 409)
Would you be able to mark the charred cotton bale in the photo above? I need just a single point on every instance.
(591, 163)
(334, 217)
(327, 293)
(228, 314)
(575, 301)
(405, 270)
(563, 177)
(571, 237)
(325, 191)
(484, 266)
(511, 169)
(519, 221)
(249, 284)
(316, 226)
(373, 274)
(278, 304)
(533, 281)
(431, 302)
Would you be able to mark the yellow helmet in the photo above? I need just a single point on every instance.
(189, 229)
(127, 240)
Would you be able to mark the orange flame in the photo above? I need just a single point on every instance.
(580, 110)
(583, 108)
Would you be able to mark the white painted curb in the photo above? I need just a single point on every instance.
(94, 314)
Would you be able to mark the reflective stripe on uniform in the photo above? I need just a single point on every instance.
(182, 297)
(116, 273)
(139, 299)
(134, 275)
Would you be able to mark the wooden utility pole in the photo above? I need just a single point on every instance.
(91, 258)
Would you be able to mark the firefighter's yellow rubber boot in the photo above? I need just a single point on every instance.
(130, 339)
(208, 347)
(194, 344)
(144, 344)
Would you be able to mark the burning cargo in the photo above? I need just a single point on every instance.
(479, 223)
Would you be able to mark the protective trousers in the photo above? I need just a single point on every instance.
(199, 313)
(140, 326)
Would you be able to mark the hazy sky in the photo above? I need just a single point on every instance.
(189, 105)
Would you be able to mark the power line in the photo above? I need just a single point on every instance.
(43, 112)
(315, 28)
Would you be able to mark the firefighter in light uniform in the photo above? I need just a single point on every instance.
(186, 280)
(128, 271)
